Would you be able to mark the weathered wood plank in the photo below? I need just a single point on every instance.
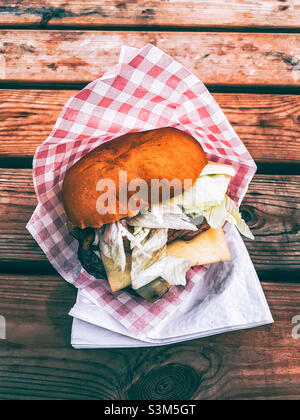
(216, 58)
(269, 125)
(272, 210)
(36, 361)
(271, 207)
(214, 13)
(27, 118)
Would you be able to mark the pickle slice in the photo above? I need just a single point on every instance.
(117, 279)
(154, 290)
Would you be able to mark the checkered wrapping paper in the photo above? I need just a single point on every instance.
(147, 89)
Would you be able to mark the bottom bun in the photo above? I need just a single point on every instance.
(207, 248)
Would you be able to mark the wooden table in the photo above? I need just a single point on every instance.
(248, 54)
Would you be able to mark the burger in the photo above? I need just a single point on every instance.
(148, 206)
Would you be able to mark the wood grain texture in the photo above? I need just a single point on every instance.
(214, 13)
(37, 362)
(271, 208)
(36, 359)
(216, 58)
(269, 125)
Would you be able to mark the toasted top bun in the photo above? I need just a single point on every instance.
(164, 153)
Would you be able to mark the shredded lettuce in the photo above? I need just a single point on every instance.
(151, 249)
(234, 217)
(150, 261)
(134, 240)
(170, 268)
(227, 211)
(140, 233)
(112, 246)
(208, 191)
(208, 198)
(161, 216)
(215, 215)
(218, 169)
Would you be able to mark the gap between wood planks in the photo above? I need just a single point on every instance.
(213, 88)
(45, 268)
(265, 168)
(152, 28)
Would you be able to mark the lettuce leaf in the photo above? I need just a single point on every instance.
(234, 217)
(227, 211)
(162, 216)
(216, 215)
(140, 233)
(208, 191)
(135, 240)
(170, 268)
(151, 249)
(112, 246)
(208, 198)
(218, 169)
(150, 261)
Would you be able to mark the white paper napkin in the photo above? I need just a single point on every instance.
(228, 297)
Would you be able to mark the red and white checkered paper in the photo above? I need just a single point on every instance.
(147, 89)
